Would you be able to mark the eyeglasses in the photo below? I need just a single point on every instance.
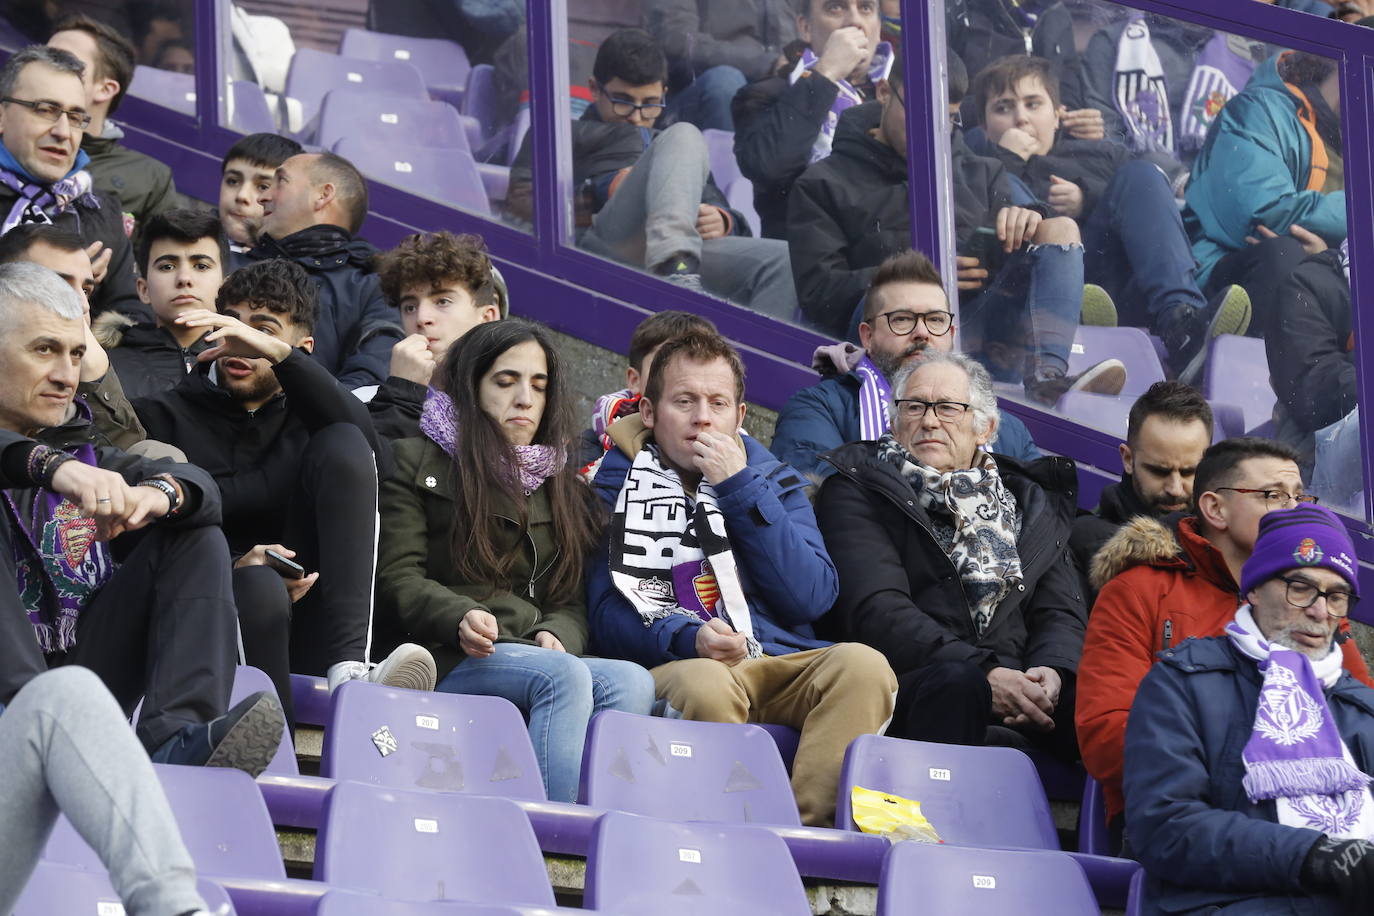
(1304, 594)
(902, 322)
(624, 108)
(944, 410)
(1276, 499)
(51, 111)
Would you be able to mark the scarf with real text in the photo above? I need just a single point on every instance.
(439, 423)
(846, 98)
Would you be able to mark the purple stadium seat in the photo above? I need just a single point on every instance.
(738, 190)
(495, 180)
(176, 91)
(1093, 835)
(644, 865)
(57, 890)
(479, 99)
(786, 739)
(1135, 904)
(446, 741)
(353, 903)
(430, 846)
(1061, 781)
(248, 679)
(250, 113)
(314, 74)
(1132, 346)
(954, 879)
(446, 175)
(443, 63)
(391, 119)
(1109, 414)
(311, 697)
(1238, 373)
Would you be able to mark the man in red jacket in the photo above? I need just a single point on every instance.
(1161, 585)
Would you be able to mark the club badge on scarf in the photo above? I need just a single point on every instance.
(673, 557)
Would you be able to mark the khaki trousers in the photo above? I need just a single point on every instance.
(830, 695)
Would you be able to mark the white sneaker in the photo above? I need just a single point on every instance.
(409, 666)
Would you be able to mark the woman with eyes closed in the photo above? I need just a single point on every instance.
(485, 528)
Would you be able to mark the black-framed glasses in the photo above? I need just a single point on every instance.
(1276, 499)
(1304, 594)
(902, 322)
(913, 409)
(624, 108)
(51, 111)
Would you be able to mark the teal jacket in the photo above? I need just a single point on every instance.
(1258, 166)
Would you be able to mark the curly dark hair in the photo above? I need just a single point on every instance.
(280, 285)
(437, 258)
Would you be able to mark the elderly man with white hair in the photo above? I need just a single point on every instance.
(954, 564)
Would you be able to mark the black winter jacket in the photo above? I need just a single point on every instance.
(696, 35)
(1311, 346)
(981, 31)
(143, 185)
(1117, 506)
(900, 594)
(396, 408)
(147, 357)
(254, 457)
(1090, 164)
(357, 327)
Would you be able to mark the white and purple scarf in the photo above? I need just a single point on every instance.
(536, 463)
(39, 202)
(1295, 755)
(874, 391)
(846, 98)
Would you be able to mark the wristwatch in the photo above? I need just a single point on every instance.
(173, 494)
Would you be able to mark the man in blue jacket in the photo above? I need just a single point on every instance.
(713, 570)
(1248, 754)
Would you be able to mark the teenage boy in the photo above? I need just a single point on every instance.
(181, 255)
(444, 285)
(1134, 241)
(245, 176)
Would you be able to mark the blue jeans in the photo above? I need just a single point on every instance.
(1025, 319)
(558, 693)
(1136, 247)
(705, 101)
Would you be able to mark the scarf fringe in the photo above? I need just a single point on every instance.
(1266, 779)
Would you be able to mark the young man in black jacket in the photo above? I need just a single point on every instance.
(293, 453)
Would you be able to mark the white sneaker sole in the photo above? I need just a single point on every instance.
(410, 667)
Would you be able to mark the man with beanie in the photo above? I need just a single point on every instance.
(1248, 754)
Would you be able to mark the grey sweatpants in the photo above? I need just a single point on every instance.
(66, 747)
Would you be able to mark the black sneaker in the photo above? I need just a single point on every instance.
(1183, 328)
(1187, 330)
(1106, 378)
(245, 738)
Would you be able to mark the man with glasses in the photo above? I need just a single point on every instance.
(1248, 754)
(1165, 581)
(954, 564)
(43, 177)
(906, 316)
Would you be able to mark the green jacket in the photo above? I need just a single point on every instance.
(420, 596)
(143, 185)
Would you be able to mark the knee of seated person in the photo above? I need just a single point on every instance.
(721, 80)
(863, 665)
(1058, 230)
(260, 596)
(703, 689)
(959, 675)
(340, 445)
(682, 136)
(1139, 171)
(63, 687)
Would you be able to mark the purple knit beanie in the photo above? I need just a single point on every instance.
(1304, 536)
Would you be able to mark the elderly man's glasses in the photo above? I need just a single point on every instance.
(1304, 594)
(902, 322)
(51, 111)
(944, 410)
(1275, 499)
(624, 108)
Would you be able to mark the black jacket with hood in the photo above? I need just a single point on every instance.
(147, 357)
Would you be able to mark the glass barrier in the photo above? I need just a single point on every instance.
(412, 93)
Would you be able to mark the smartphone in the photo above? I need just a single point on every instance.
(286, 568)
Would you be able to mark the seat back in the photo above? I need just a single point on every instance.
(422, 845)
(1100, 411)
(443, 63)
(479, 98)
(979, 796)
(681, 770)
(399, 122)
(446, 741)
(250, 112)
(314, 74)
(446, 175)
(1132, 346)
(351, 903)
(249, 680)
(1238, 373)
(690, 869)
(167, 88)
(957, 879)
(61, 889)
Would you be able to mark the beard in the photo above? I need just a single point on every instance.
(1285, 638)
(259, 386)
(890, 364)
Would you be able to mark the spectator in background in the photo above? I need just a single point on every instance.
(981, 31)
(998, 642)
(1163, 581)
(461, 575)
(181, 255)
(1167, 431)
(311, 214)
(478, 25)
(443, 285)
(850, 402)
(293, 453)
(247, 173)
(714, 47)
(177, 56)
(151, 613)
(153, 23)
(650, 334)
(720, 607)
(143, 185)
(788, 120)
(1256, 740)
(43, 176)
(112, 418)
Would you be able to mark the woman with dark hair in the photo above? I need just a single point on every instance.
(485, 528)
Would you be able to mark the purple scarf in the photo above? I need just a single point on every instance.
(537, 463)
(39, 203)
(846, 98)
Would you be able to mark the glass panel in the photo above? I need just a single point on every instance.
(415, 94)
(1197, 170)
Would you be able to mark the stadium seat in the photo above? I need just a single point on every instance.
(1238, 373)
(479, 99)
(58, 890)
(398, 121)
(1135, 904)
(352, 903)
(247, 680)
(1099, 411)
(955, 879)
(314, 74)
(312, 699)
(645, 865)
(1132, 346)
(1093, 835)
(738, 190)
(169, 89)
(249, 110)
(449, 176)
(442, 63)
(430, 846)
(786, 739)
